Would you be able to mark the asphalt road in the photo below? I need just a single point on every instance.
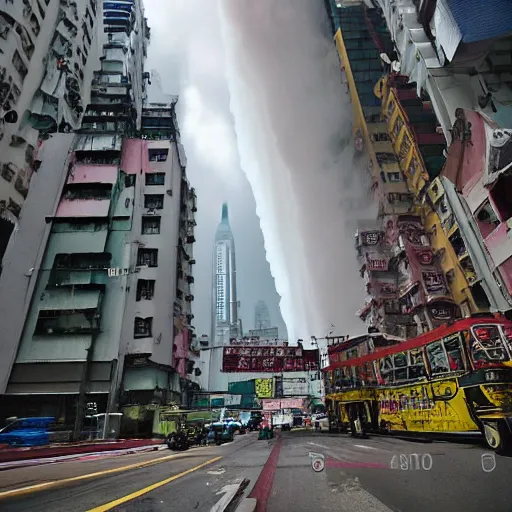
(95, 485)
(358, 476)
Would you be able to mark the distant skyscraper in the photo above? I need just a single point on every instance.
(225, 323)
(261, 316)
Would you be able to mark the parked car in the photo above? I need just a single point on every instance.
(27, 431)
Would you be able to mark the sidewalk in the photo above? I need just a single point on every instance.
(61, 450)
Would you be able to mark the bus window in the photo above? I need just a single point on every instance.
(487, 346)
(437, 358)
(417, 368)
(352, 353)
(400, 360)
(386, 369)
(356, 376)
(454, 352)
(369, 375)
(400, 363)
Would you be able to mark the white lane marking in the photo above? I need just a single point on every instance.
(364, 447)
(220, 471)
(321, 445)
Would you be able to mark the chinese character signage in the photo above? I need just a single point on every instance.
(268, 359)
(434, 282)
(295, 387)
(370, 238)
(264, 388)
(287, 403)
(376, 262)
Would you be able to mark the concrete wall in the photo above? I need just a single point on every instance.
(27, 88)
(26, 250)
(161, 307)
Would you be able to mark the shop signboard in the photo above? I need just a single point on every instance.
(268, 359)
(230, 400)
(285, 403)
(295, 387)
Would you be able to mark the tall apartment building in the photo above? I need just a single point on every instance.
(225, 321)
(97, 282)
(431, 92)
(48, 51)
(261, 316)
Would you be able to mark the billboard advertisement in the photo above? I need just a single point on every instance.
(268, 359)
(264, 388)
(287, 403)
(295, 387)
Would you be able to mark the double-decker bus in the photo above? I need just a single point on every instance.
(456, 379)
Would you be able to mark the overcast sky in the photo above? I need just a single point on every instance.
(186, 49)
(264, 116)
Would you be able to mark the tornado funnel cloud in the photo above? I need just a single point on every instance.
(293, 116)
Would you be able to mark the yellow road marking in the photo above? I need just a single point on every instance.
(55, 483)
(149, 488)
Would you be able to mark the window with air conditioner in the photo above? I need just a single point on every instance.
(151, 225)
(145, 289)
(143, 327)
(147, 257)
(158, 155)
(154, 201)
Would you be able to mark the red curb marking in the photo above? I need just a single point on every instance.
(263, 486)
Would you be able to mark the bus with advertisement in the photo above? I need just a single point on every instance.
(454, 380)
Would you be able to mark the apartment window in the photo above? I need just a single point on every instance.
(386, 158)
(145, 289)
(8, 172)
(487, 219)
(151, 225)
(394, 177)
(129, 180)
(17, 62)
(142, 327)
(14, 207)
(82, 261)
(399, 198)
(501, 197)
(154, 201)
(380, 137)
(36, 28)
(88, 191)
(155, 178)
(157, 155)
(147, 257)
